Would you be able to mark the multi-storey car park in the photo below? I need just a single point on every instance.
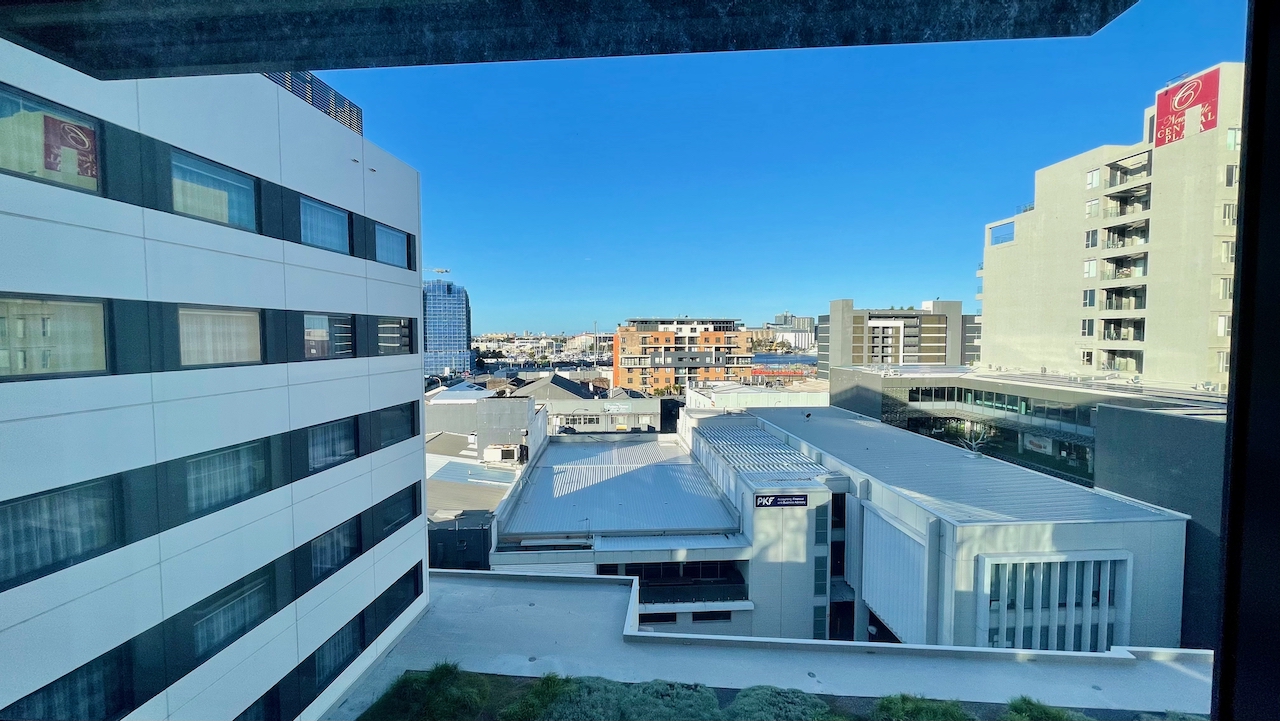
(1125, 261)
(210, 389)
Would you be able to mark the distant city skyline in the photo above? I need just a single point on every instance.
(737, 184)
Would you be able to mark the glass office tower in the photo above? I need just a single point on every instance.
(446, 323)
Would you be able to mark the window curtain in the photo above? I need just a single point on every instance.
(329, 444)
(219, 336)
(395, 425)
(337, 652)
(393, 336)
(332, 550)
(324, 226)
(391, 246)
(207, 191)
(232, 616)
(97, 690)
(56, 527)
(222, 477)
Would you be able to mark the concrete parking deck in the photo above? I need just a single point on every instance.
(531, 625)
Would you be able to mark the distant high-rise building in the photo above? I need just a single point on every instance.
(1125, 262)
(446, 329)
(936, 334)
(657, 353)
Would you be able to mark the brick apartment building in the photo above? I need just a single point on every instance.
(652, 354)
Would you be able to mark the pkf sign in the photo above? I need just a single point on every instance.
(792, 501)
(1187, 108)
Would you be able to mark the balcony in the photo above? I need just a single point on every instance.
(1121, 211)
(1119, 178)
(1123, 334)
(1125, 273)
(692, 593)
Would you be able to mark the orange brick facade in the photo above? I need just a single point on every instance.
(664, 354)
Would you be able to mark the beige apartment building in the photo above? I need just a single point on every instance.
(1125, 263)
(939, 333)
(652, 354)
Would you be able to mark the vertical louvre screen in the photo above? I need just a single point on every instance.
(1058, 605)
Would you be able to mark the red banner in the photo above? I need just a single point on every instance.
(1187, 108)
(59, 134)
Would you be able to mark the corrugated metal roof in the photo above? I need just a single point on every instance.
(462, 472)
(758, 456)
(580, 488)
(949, 482)
(671, 543)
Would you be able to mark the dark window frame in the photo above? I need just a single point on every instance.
(119, 529)
(108, 347)
(257, 192)
(98, 129)
(262, 336)
(303, 198)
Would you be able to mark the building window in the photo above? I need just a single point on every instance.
(1224, 326)
(1233, 175)
(334, 549)
(39, 140)
(819, 575)
(100, 689)
(328, 336)
(1092, 178)
(701, 616)
(1086, 358)
(391, 246)
(1091, 208)
(216, 337)
(1091, 239)
(395, 336)
(392, 514)
(224, 477)
(1226, 288)
(324, 226)
(1002, 233)
(330, 444)
(820, 518)
(339, 651)
(1234, 138)
(1091, 268)
(820, 622)
(1228, 213)
(1228, 251)
(43, 533)
(212, 192)
(649, 618)
(233, 612)
(395, 424)
(1090, 298)
(1224, 361)
(1086, 327)
(48, 337)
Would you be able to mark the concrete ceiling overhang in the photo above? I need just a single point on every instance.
(118, 39)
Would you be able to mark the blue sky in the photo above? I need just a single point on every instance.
(744, 184)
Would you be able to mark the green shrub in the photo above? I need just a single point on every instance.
(589, 698)
(1025, 708)
(402, 701)
(770, 703)
(1171, 716)
(667, 701)
(450, 694)
(904, 707)
(540, 695)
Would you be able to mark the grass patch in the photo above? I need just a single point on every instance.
(537, 697)
(1025, 708)
(904, 707)
(770, 703)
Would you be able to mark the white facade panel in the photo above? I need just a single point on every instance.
(335, 176)
(893, 576)
(316, 626)
(206, 382)
(183, 274)
(116, 101)
(390, 190)
(327, 370)
(191, 576)
(329, 478)
(36, 399)
(192, 232)
(197, 532)
(81, 260)
(343, 577)
(321, 290)
(192, 113)
(389, 389)
(324, 401)
(577, 569)
(394, 298)
(200, 424)
(228, 695)
(43, 453)
(157, 707)
(74, 633)
(41, 201)
(306, 256)
(182, 691)
(323, 511)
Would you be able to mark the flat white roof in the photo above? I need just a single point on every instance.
(645, 487)
(759, 458)
(947, 481)
(671, 543)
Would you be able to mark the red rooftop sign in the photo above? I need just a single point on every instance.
(1187, 108)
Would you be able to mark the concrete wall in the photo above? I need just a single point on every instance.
(781, 570)
(739, 625)
(1174, 461)
(857, 391)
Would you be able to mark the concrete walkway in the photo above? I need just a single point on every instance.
(529, 626)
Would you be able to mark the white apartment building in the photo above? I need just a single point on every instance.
(1125, 264)
(211, 460)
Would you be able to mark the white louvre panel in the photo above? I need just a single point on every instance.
(1059, 602)
(573, 569)
(893, 575)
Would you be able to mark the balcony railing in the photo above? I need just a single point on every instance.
(1123, 334)
(693, 593)
(1124, 273)
(1127, 242)
(1128, 304)
(1128, 177)
(1122, 210)
(1024, 208)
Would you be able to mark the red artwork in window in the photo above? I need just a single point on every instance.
(59, 134)
(1187, 108)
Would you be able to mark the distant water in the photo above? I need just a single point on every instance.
(783, 359)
